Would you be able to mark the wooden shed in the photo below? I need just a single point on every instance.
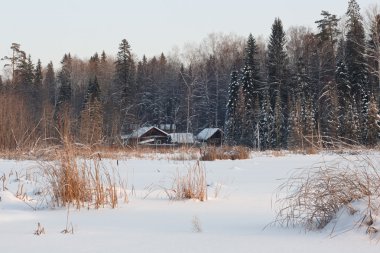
(146, 136)
(211, 136)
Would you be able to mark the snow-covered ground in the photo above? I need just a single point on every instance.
(233, 219)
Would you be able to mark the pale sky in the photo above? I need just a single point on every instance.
(47, 29)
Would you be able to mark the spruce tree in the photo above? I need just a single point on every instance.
(91, 122)
(63, 101)
(266, 122)
(277, 82)
(343, 89)
(295, 136)
(64, 79)
(38, 75)
(124, 86)
(352, 118)
(94, 65)
(373, 55)
(49, 84)
(36, 97)
(232, 127)
(250, 90)
(373, 123)
(24, 73)
(123, 70)
(355, 51)
(356, 64)
(327, 107)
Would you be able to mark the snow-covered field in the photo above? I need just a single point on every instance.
(233, 219)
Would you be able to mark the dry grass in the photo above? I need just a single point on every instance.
(190, 186)
(312, 197)
(224, 153)
(81, 183)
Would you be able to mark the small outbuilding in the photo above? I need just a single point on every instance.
(211, 136)
(146, 136)
(182, 138)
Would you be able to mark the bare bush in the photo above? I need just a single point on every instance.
(312, 197)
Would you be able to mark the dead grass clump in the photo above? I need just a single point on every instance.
(224, 153)
(40, 230)
(81, 182)
(278, 153)
(312, 197)
(311, 151)
(190, 186)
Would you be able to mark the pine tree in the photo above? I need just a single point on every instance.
(18, 55)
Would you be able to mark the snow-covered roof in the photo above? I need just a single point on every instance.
(183, 138)
(206, 133)
(140, 132)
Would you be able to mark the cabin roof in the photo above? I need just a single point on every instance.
(207, 133)
(141, 131)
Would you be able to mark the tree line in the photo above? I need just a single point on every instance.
(313, 88)
(300, 87)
